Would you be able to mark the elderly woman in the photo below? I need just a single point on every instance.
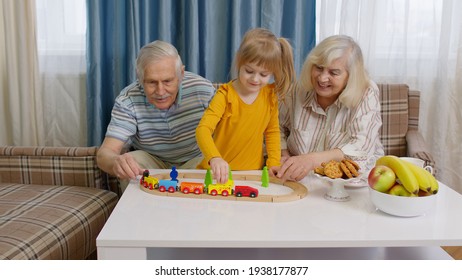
(335, 108)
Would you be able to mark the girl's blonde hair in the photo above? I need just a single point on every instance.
(330, 49)
(262, 47)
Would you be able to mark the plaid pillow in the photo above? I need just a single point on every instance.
(395, 118)
(72, 166)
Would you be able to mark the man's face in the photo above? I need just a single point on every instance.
(161, 83)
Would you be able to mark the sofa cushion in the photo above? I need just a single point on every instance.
(51, 222)
(395, 118)
(71, 166)
(414, 105)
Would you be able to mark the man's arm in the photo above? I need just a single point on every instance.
(111, 161)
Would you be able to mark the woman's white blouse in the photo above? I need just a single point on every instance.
(306, 127)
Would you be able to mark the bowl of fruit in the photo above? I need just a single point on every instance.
(402, 189)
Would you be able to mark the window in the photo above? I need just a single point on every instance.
(61, 26)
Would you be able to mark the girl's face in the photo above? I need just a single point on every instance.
(253, 77)
(330, 81)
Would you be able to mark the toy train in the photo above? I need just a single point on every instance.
(171, 186)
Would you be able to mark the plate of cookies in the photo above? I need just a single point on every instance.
(346, 170)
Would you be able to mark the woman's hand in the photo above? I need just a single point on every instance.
(284, 156)
(295, 168)
(220, 169)
(273, 170)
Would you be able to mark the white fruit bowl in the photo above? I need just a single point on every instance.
(402, 206)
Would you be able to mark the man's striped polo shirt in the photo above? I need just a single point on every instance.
(168, 134)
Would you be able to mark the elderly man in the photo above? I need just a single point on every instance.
(157, 116)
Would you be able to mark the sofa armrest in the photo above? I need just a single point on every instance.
(71, 166)
(416, 147)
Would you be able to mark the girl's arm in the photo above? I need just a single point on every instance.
(204, 132)
(273, 137)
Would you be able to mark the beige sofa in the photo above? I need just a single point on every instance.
(53, 202)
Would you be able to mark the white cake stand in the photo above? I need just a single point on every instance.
(336, 191)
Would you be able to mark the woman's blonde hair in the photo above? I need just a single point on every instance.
(328, 50)
(262, 47)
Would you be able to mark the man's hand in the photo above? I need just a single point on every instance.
(126, 167)
(111, 161)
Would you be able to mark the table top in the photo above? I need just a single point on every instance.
(141, 219)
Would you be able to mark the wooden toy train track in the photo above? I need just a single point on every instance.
(299, 191)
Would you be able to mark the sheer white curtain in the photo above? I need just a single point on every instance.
(21, 116)
(417, 42)
(42, 72)
(61, 30)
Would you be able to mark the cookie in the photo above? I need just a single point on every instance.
(351, 167)
(354, 163)
(333, 170)
(345, 169)
(319, 170)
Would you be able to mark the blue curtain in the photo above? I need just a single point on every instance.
(206, 33)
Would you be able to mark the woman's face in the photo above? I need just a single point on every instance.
(330, 81)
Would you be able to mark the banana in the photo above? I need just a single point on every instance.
(421, 176)
(433, 182)
(402, 171)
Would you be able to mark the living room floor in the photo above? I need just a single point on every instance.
(454, 251)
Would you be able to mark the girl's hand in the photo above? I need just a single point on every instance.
(220, 169)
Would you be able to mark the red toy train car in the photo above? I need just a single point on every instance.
(245, 191)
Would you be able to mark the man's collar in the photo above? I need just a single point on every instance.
(179, 95)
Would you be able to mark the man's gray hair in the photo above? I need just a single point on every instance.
(156, 51)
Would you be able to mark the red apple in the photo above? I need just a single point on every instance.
(381, 178)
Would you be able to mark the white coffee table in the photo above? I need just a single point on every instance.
(146, 226)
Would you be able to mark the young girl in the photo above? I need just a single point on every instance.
(243, 114)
